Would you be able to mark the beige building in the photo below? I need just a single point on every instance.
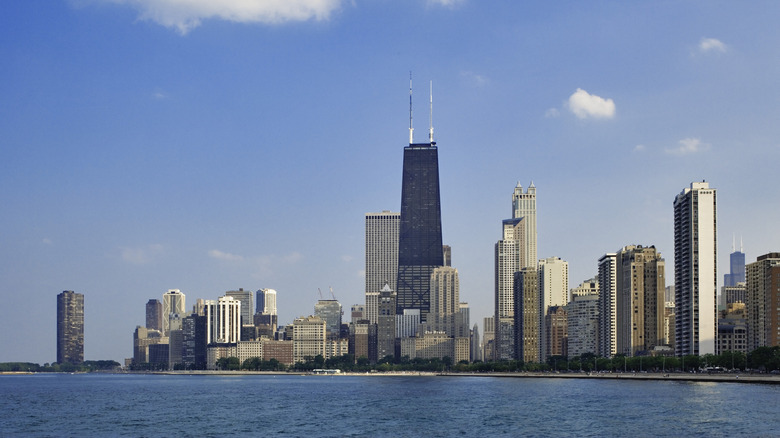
(430, 345)
(582, 324)
(309, 338)
(640, 300)
(762, 301)
(445, 296)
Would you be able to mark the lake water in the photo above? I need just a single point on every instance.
(373, 406)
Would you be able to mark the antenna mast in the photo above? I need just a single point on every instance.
(430, 133)
(411, 128)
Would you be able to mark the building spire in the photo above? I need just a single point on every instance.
(411, 127)
(430, 133)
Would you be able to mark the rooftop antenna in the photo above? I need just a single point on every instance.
(733, 242)
(430, 133)
(411, 128)
(740, 244)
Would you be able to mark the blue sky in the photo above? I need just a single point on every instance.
(206, 146)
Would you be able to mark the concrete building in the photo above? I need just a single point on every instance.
(509, 259)
(193, 350)
(154, 315)
(223, 320)
(736, 273)
(586, 288)
(142, 339)
(641, 283)
(556, 331)
(357, 313)
(527, 320)
(476, 345)
(362, 340)
(70, 327)
(733, 329)
(583, 324)
(695, 270)
(762, 290)
(372, 306)
(173, 302)
(282, 351)
(445, 301)
(385, 331)
(408, 324)
(309, 338)
(524, 207)
(608, 305)
(432, 345)
(488, 338)
(266, 302)
(381, 250)
(553, 291)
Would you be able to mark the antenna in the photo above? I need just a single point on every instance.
(411, 128)
(430, 133)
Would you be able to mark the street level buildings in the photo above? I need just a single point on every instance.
(695, 270)
(763, 301)
(70, 327)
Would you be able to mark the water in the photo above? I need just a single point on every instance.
(352, 406)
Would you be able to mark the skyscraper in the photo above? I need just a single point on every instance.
(381, 250)
(528, 325)
(70, 327)
(695, 270)
(386, 320)
(266, 302)
(445, 304)
(247, 304)
(331, 312)
(524, 207)
(736, 266)
(419, 237)
(173, 302)
(553, 291)
(607, 305)
(509, 255)
(154, 315)
(761, 298)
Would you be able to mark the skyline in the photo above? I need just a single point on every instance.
(152, 149)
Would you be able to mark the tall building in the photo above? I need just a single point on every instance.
(488, 338)
(266, 302)
(524, 207)
(695, 270)
(381, 250)
(761, 298)
(509, 259)
(247, 304)
(173, 302)
(556, 331)
(641, 284)
(553, 291)
(309, 338)
(223, 320)
(330, 311)
(736, 273)
(419, 235)
(445, 301)
(583, 324)
(607, 305)
(386, 319)
(154, 315)
(70, 327)
(527, 321)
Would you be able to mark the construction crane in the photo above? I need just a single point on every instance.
(331, 293)
(320, 291)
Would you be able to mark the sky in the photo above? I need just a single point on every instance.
(148, 145)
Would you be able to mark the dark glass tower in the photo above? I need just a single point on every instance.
(419, 239)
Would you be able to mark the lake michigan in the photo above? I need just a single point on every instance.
(379, 406)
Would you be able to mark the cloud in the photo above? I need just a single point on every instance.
(159, 95)
(688, 146)
(639, 148)
(585, 105)
(185, 15)
(552, 113)
(47, 241)
(140, 255)
(710, 45)
(446, 3)
(225, 256)
(476, 79)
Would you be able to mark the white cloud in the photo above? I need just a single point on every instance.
(552, 113)
(159, 95)
(708, 45)
(47, 241)
(585, 105)
(185, 15)
(476, 79)
(446, 3)
(140, 255)
(639, 148)
(688, 146)
(226, 256)
(346, 258)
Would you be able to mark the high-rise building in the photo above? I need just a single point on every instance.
(488, 338)
(247, 304)
(173, 302)
(266, 302)
(381, 250)
(223, 320)
(527, 320)
(509, 259)
(445, 300)
(524, 207)
(154, 315)
(330, 311)
(607, 305)
(309, 338)
(372, 306)
(583, 324)
(736, 273)
(70, 327)
(762, 296)
(556, 331)
(357, 313)
(641, 283)
(553, 291)
(385, 330)
(695, 270)
(476, 346)
(419, 236)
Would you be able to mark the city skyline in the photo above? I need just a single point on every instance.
(209, 150)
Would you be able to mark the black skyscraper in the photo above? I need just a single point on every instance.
(419, 241)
